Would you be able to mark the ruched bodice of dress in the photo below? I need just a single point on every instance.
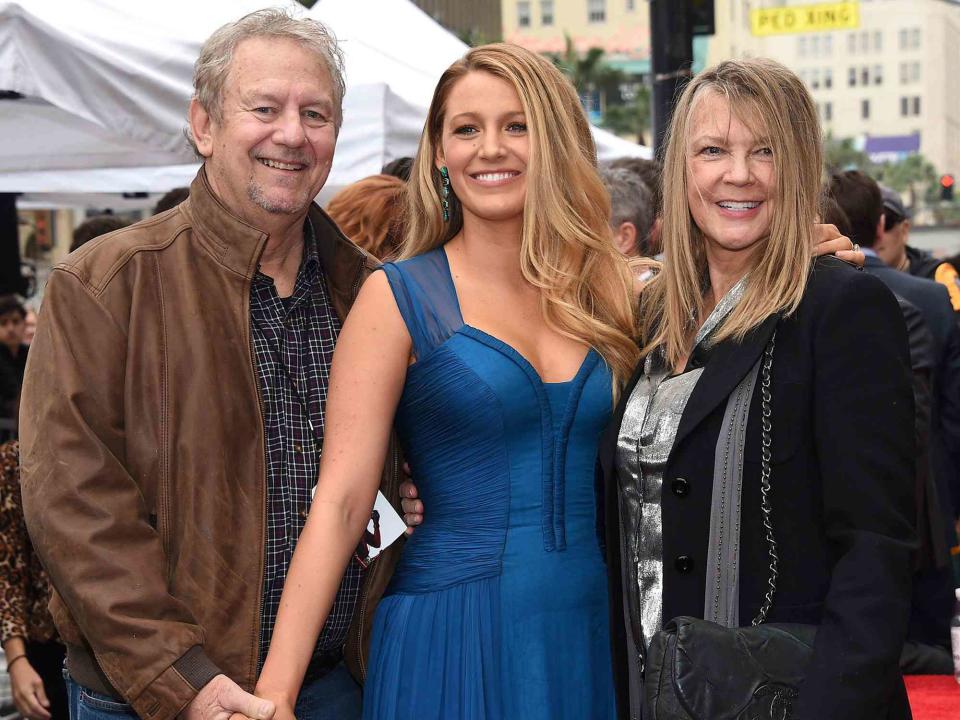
(498, 603)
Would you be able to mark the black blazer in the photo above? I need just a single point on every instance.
(842, 491)
(930, 297)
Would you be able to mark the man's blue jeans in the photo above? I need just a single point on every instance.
(335, 696)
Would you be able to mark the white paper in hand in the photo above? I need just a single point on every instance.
(382, 531)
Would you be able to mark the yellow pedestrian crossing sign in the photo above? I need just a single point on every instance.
(821, 17)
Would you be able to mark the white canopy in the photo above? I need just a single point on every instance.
(106, 85)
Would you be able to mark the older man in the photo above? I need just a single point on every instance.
(632, 212)
(893, 247)
(173, 412)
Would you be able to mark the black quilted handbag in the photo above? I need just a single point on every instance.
(699, 670)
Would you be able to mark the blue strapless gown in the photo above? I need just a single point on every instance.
(498, 607)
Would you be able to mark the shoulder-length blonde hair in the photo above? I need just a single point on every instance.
(566, 249)
(773, 100)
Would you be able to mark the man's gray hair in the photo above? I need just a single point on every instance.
(630, 201)
(211, 69)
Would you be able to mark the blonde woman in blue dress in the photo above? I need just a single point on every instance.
(495, 345)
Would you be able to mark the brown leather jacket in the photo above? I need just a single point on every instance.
(142, 458)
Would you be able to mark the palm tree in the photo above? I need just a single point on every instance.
(588, 73)
(593, 77)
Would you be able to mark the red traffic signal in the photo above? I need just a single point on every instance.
(946, 187)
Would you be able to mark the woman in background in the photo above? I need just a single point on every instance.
(370, 212)
(32, 649)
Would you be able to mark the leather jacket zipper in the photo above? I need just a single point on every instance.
(263, 504)
(356, 283)
(366, 583)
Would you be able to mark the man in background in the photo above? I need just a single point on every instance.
(631, 211)
(650, 173)
(13, 354)
(860, 199)
(894, 249)
(95, 226)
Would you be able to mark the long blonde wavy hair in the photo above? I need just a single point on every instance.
(566, 249)
(772, 100)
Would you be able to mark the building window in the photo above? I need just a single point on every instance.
(828, 78)
(909, 72)
(546, 12)
(631, 5)
(864, 76)
(596, 11)
(852, 77)
(878, 40)
(865, 109)
(827, 45)
(852, 43)
(878, 74)
(864, 42)
(909, 106)
(815, 45)
(802, 46)
(815, 79)
(523, 13)
(827, 111)
(910, 39)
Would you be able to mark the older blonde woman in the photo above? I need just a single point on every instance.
(741, 186)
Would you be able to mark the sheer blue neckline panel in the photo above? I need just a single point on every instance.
(428, 302)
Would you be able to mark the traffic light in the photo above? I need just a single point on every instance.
(702, 17)
(946, 187)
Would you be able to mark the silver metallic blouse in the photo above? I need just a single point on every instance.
(646, 438)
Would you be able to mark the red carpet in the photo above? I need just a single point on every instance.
(933, 697)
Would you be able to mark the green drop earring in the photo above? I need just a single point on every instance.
(445, 192)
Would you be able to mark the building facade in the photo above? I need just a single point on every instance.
(477, 21)
(620, 27)
(888, 82)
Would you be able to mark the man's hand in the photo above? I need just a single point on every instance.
(283, 705)
(281, 701)
(28, 693)
(829, 241)
(412, 506)
(221, 698)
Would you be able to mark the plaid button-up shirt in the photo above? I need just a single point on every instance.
(293, 340)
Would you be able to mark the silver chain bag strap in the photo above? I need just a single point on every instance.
(702, 670)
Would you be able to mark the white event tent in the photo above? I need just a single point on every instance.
(106, 83)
